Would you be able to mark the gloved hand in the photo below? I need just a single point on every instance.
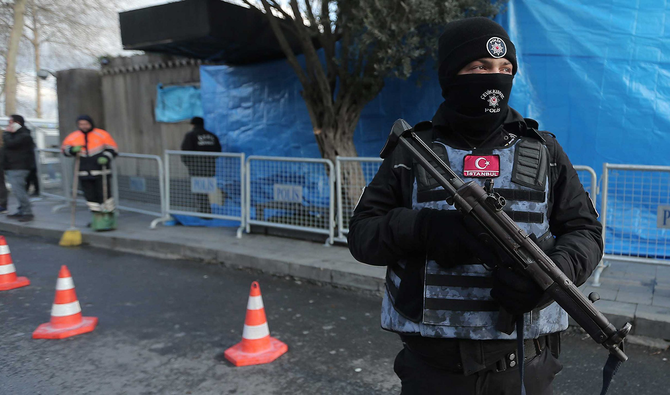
(102, 161)
(516, 292)
(451, 239)
(76, 149)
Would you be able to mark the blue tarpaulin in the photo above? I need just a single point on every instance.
(593, 72)
(177, 103)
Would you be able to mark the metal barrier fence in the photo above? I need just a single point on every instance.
(205, 185)
(291, 193)
(55, 173)
(353, 174)
(589, 180)
(636, 213)
(50, 173)
(140, 184)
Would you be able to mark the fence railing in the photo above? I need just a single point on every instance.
(291, 193)
(205, 185)
(636, 213)
(55, 174)
(50, 173)
(139, 181)
(353, 174)
(589, 180)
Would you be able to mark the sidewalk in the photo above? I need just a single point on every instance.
(630, 292)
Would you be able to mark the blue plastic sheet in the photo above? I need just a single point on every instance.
(177, 103)
(596, 73)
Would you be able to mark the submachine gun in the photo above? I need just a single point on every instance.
(487, 210)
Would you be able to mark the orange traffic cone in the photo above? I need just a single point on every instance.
(66, 319)
(8, 278)
(257, 346)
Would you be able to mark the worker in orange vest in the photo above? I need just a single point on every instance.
(96, 149)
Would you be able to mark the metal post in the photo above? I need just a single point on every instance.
(340, 214)
(242, 199)
(603, 201)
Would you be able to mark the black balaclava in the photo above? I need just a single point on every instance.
(475, 104)
(86, 118)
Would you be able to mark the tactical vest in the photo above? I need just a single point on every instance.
(456, 301)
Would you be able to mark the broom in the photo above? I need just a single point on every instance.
(72, 236)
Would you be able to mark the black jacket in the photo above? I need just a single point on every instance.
(200, 139)
(19, 150)
(381, 230)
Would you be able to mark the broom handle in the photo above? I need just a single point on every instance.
(75, 185)
(104, 184)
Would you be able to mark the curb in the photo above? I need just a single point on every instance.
(361, 277)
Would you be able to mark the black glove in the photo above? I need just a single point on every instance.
(516, 292)
(451, 239)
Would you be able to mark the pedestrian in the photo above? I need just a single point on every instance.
(96, 148)
(3, 187)
(201, 140)
(439, 297)
(19, 159)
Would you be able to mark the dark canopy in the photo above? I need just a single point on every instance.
(211, 30)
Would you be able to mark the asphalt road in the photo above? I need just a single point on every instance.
(164, 325)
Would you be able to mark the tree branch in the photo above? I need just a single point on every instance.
(283, 43)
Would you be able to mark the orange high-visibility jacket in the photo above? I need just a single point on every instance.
(95, 144)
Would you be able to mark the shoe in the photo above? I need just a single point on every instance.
(15, 215)
(26, 218)
(3, 210)
(35, 194)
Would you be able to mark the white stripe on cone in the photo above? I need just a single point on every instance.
(7, 269)
(63, 310)
(255, 303)
(253, 332)
(63, 284)
(4, 250)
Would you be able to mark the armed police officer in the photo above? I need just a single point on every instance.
(442, 296)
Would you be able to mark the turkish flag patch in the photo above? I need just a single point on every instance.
(484, 166)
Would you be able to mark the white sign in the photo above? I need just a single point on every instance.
(288, 193)
(203, 184)
(663, 217)
(138, 184)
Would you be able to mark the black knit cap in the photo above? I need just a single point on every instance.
(467, 40)
(86, 118)
(197, 121)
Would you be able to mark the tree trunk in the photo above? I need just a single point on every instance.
(38, 80)
(12, 53)
(338, 140)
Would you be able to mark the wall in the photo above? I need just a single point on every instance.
(129, 99)
(78, 93)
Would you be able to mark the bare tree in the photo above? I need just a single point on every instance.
(363, 42)
(12, 53)
(75, 27)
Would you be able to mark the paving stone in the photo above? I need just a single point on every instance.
(652, 321)
(660, 301)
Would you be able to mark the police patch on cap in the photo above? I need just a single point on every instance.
(496, 47)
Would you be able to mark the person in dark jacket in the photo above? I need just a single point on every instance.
(19, 160)
(439, 297)
(200, 140)
(3, 187)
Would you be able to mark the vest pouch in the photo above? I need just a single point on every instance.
(531, 163)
